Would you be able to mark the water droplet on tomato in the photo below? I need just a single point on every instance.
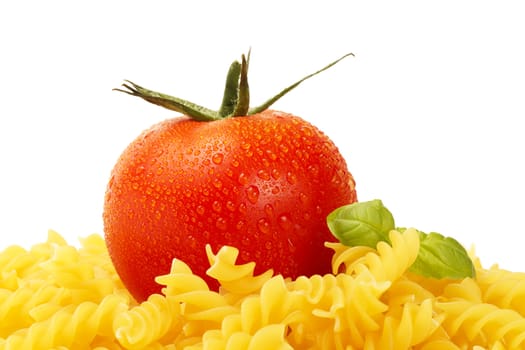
(283, 148)
(242, 179)
(303, 198)
(139, 169)
(242, 208)
(314, 170)
(221, 223)
(252, 193)
(245, 240)
(264, 226)
(230, 206)
(135, 186)
(275, 174)
(284, 222)
(291, 178)
(268, 245)
(235, 163)
(271, 154)
(217, 158)
(263, 174)
(216, 206)
(245, 255)
(191, 242)
(200, 210)
(240, 225)
(217, 183)
(268, 209)
(291, 247)
(306, 130)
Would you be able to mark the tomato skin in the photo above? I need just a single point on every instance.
(263, 183)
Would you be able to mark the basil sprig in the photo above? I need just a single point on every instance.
(368, 223)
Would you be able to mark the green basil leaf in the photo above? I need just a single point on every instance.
(361, 223)
(442, 257)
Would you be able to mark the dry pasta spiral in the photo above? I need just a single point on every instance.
(234, 279)
(386, 263)
(148, 323)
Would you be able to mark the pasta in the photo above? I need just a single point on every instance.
(58, 296)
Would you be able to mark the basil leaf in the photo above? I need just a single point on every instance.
(442, 257)
(361, 223)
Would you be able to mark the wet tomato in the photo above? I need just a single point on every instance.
(263, 183)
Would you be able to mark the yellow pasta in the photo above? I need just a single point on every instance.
(58, 296)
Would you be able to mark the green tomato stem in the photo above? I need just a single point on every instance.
(274, 99)
(243, 102)
(236, 99)
(231, 90)
(170, 102)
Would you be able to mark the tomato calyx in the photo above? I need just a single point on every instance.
(236, 99)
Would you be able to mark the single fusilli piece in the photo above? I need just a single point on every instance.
(404, 327)
(200, 308)
(386, 262)
(155, 319)
(235, 280)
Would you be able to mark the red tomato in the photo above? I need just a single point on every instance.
(263, 183)
(259, 180)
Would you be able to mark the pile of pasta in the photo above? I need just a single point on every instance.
(58, 296)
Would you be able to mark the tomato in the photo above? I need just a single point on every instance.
(263, 183)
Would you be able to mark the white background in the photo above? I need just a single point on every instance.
(429, 114)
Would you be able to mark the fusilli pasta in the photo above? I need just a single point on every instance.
(58, 296)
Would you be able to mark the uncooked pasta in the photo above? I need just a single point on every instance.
(58, 296)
